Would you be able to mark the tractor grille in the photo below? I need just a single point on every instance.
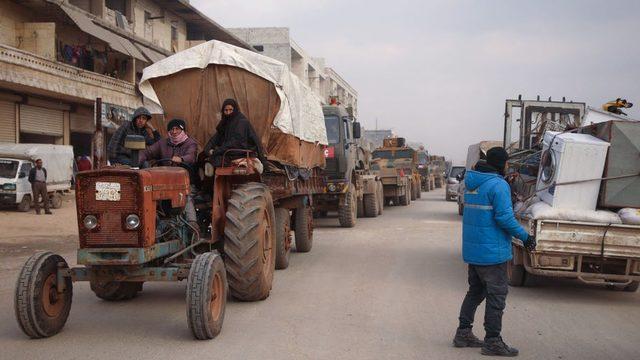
(110, 231)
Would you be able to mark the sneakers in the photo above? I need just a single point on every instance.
(496, 347)
(465, 338)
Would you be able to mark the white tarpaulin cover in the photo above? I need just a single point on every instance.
(300, 113)
(57, 159)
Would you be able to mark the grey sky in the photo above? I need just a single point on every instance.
(439, 71)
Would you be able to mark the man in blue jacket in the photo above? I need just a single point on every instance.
(488, 225)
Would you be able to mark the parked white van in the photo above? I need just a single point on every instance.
(17, 159)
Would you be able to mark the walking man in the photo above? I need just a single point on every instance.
(488, 225)
(38, 180)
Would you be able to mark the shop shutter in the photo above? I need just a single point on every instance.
(7, 121)
(39, 120)
(82, 123)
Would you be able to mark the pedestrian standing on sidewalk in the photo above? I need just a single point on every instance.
(38, 180)
(488, 225)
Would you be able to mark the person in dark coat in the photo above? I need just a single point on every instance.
(233, 132)
(180, 148)
(38, 179)
(488, 226)
(140, 124)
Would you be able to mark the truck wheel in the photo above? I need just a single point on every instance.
(418, 191)
(115, 290)
(249, 246)
(304, 229)
(516, 274)
(41, 310)
(380, 191)
(633, 287)
(414, 196)
(25, 204)
(347, 212)
(207, 289)
(56, 201)
(406, 198)
(371, 205)
(283, 237)
(361, 208)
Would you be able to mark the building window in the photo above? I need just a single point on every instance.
(259, 48)
(118, 5)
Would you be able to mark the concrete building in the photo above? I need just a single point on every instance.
(276, 43)
(376, 136)
(58, 56)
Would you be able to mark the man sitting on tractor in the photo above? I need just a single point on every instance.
(140, 124)
(234, 132)
(178, 149)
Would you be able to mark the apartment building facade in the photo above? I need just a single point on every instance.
(276, 43)
(58, 56)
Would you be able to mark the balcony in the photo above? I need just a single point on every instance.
(24, 71)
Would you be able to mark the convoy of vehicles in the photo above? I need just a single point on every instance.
(350, 187)
(16, 160)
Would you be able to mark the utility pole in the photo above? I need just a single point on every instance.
(99, 158)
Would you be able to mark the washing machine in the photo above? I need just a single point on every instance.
(568, 157)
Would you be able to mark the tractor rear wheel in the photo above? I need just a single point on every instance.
(347, 212)
(41, 307)
(115, 290)
(207, 289)
(371, 205)
(304, 229)
(250, 239)
(283, 237)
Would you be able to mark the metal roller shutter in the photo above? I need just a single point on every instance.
(7, 121)
(81, 123)
(39, 120)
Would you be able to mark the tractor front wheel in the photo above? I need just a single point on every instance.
(250, 240)
(206, 295)
(42, 306)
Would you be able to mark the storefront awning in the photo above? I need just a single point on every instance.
(116, 42)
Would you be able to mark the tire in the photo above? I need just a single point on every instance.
(25, 203)
(371, 205)
(40, 310)
(283, 237)
(414, 196)
(460, 209)
(115, 290)
(418, 191)
(381, 201)
(249, 246)
(516, 274)
(303, 229)
(347, 212)
(207, 290)
(633, 287)
(56, 201)
(406, 198)
(360, 208)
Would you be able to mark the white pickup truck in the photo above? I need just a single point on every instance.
(593, 253)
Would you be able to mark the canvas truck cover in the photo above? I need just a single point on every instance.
(57, 159)
(284, 112)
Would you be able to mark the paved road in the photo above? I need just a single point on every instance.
(388, 289)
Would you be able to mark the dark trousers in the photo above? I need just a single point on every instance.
(490, 283)
(40, 189)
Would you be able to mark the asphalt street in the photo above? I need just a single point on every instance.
(390, 288)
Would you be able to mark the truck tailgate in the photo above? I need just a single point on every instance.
(588, 238)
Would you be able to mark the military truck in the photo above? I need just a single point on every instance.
(394, 163)
(350, 187)
(437, 168)
(423, 169)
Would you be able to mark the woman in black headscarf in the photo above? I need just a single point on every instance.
(234, 131)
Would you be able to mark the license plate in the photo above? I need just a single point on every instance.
(107, 191)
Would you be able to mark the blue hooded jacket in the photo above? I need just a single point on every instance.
(488, 220)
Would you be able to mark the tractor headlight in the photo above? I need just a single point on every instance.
(132, 222)
(90, 222)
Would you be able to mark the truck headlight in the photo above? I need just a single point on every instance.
(90, 222)
(332, 187)
(132, 222)
(10, 187)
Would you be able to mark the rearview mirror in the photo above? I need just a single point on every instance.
(459, 177)
(356, 130)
